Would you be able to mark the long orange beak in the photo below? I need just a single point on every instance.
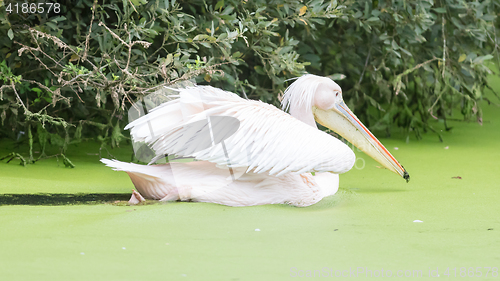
(342, 120)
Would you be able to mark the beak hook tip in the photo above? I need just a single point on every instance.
(406, 176)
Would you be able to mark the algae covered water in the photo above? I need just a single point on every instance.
(60, 224)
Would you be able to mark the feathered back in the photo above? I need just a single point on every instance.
(266, 140)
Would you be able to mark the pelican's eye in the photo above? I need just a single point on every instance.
(337, 94)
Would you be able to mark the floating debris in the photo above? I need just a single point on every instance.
(446, 147)
(257, 229)
(396, 148)
(417, 221)
(457, 177)
(124, 248)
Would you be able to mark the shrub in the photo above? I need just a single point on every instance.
(414, 61)
(71, 74)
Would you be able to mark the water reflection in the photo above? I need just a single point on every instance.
(61, 198)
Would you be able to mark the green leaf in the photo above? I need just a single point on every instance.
(337, 76)
(42, 136)
(78, 132)
(51, 25)
(462, 57)
(116, 135)
(440, 10)
(482, 58)
(200, 37)
(228, 10)
(10, 34)
(219, 5)
(60, 18)
(139, 2)
(259, 70)
(487, 57)
(489, 17)
(358, 14)
(169, 59)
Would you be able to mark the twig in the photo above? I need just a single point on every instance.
(493, 91)
(366, 64)
(17, 95)
(430, 110)
(397, 85)
(132, 5)
(31, 49)
(113, 34)
(444, 44)
(84, 57)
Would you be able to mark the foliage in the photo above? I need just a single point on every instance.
(71, 75)
(413, 60)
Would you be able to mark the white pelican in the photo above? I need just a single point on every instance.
(256, 153)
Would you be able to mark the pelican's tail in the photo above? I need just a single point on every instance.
(152, 182)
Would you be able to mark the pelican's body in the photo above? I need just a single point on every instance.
(202, 181)
(256, 153)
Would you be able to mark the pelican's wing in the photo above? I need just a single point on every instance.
(218, 126)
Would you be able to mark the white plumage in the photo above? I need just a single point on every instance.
(202, 181)
(267, 140)
(248, 152)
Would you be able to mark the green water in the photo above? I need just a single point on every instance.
(64, 234)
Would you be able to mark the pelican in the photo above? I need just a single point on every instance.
(247, 152)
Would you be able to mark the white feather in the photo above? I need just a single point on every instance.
(176, 181)
(267, 140)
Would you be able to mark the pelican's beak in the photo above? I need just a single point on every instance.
(341, 120)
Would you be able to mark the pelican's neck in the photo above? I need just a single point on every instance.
(303, 115)
(299, 97)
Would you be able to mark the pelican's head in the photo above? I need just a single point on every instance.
(323, 98)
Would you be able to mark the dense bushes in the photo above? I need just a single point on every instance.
(72, 74)
(417, 59)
